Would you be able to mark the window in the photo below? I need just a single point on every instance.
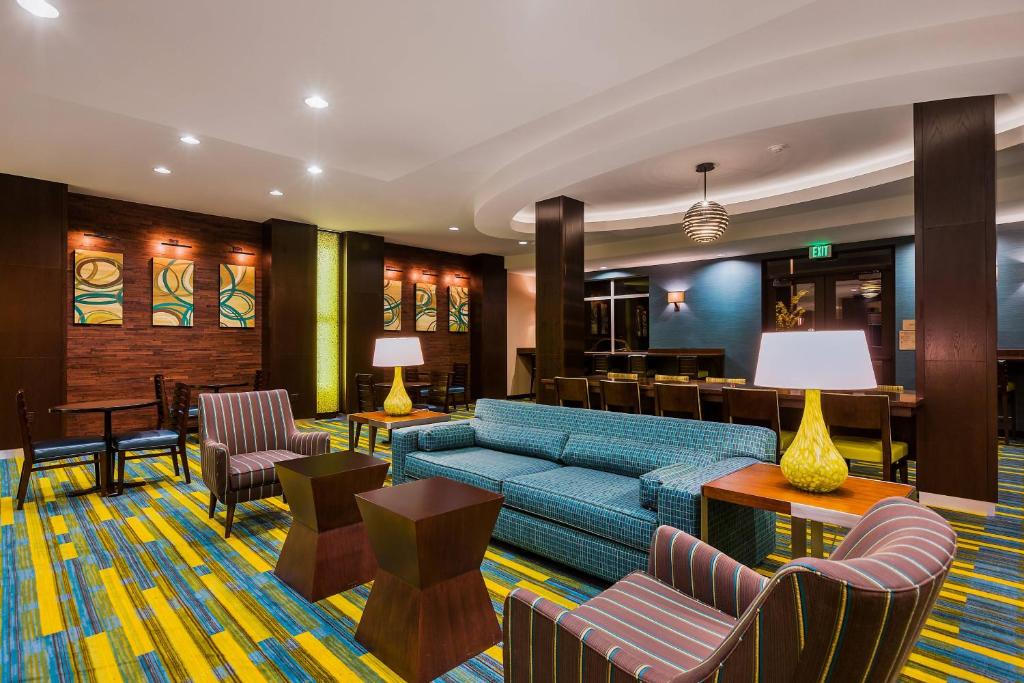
(617, 314)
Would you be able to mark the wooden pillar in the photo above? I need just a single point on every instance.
(488, 302)
(34, 276)
(362, 305)
(559, 262)
(289, 311)
(954, 211)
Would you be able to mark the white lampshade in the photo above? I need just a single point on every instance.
(391, 352)
(815, 360)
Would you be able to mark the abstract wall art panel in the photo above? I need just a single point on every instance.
(458, 309)
(392, 305)
(426, 307)
(172, 292)
(237, 295)
(99, 287)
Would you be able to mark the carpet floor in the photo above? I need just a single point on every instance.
(145, 587)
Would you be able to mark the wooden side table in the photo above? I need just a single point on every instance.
(326, 550)
(429, 610)
(762, 486)
(381, 420)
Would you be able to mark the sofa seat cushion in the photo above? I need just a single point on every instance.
(145, 439)
(601, 503)
(55, 449)
(631, 458)
(529, 441)
(668, 631)
(475, 466)
(248, 470)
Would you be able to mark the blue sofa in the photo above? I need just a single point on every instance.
(588, 488)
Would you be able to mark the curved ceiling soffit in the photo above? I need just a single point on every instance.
(836, 80)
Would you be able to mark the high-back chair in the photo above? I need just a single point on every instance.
(51, 454)
(698, 615)
(242, 436)
(259, 380)
(1006, 397)
(677, 400)
(602, 363)
(459, 388)
(366, 398)
(160, 394)
(637, 363)
(438, 397)
(620, 396)
(686, 365)
(572, 391)
(865, 431)
(758, 407)
(165, 440)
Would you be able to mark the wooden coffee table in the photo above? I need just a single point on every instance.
(429, 610)
(326, 550)
(381, 420)
(762, 486)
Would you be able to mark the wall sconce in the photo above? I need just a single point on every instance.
(428, 273)
(677, 298)
(392, 269)
(176, 243)
(99, 235)
(238, 250)
(460, 276)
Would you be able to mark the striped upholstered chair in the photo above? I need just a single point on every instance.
(697, 615)
(243, 435)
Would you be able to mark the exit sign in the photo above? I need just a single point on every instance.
(816, 251)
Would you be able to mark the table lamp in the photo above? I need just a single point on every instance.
(397, 352)
(814, 361)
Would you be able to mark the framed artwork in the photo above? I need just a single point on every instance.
(172, 292)
(426, 307)
(237, 295)
(392, 305)
(99, 287)
(458, 309)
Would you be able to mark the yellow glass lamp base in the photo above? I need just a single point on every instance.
(812, 462)
(398, 402)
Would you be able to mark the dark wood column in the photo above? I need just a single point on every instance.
(488, 320)
(954, 209)
(559, 261)
(33, 268)
(289, 311)
(362, 305)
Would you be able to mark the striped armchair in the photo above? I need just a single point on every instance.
(243, 435)
(697, 615)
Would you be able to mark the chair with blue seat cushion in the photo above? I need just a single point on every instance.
(162, 441)
(49, 454)
(458, 387)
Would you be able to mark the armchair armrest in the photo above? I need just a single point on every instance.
(693, 567)
(309, 443)
(214, 457)
(541, 636)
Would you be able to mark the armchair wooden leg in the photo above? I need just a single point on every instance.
(121, 457)
(26, 472)
(230, 519)
(213, 504)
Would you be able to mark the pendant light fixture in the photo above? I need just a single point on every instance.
(705, 221)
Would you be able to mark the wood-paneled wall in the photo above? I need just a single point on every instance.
(362, 304)
(119, 361)
(33, 215)
(488, 304)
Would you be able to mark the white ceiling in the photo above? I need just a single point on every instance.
(463, 112)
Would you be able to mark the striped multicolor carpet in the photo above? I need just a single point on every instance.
(144, 586)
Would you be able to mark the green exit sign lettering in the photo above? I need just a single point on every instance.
(816, 251)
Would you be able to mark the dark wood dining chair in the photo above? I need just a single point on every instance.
(626, 376)
(366, 402)
(160, 442)
(620, 396)
(637, 363)
(459, 389)
(758, 407)
(572, 391)
(602, 363)
(865, 431)
(259, 380)
(52, 454)
(677, 400)
(1006, 392)
(686, 365)
(438, 398)
(160, 394)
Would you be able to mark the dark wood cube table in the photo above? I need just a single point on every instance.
(429, 610)
(326, 550)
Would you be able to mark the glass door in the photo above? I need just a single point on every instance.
(864, 301)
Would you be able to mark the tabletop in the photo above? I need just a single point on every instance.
(426, 498)
(104, 406)
(409, 384)
(413, 419)
(218, 385)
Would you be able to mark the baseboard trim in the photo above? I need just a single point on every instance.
(969, 505)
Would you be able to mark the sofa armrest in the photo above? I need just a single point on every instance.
(693, 567)
(541, 636)
(309, 443)
(214, 457)
(405, 441)
(679, 495)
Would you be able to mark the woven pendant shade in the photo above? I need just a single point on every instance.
(705, 221)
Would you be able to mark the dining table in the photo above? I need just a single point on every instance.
(107, 407)
(217, 387)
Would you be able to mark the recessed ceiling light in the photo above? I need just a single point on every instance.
(276, 193)
(39, 8)
(314, 170)
(162, 170)
(189, 139)
(523, 243)
(775, 149)
(316, 102)
(453, 228)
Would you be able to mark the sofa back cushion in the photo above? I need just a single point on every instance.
(531, 441)
(717, 439)
(631, 458)
(446, 436)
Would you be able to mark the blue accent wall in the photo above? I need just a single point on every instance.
(905, 310)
